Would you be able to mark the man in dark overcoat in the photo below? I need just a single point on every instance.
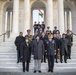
(35, 27)
(63, 48)
(19, 39)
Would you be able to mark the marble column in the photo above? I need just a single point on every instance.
(8, 24)
(8, 21)
(49, 14)
(61, 15)
(11, 21)
(65, 26)
(27, 15)
(31, 23)
(15, 16)
(68, 19)
(45, 16)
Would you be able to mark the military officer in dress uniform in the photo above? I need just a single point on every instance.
(55, 29)
(48, 29)
(39, 26)
(43, 26)
(35, 27)
(29, 36)
(50, 44)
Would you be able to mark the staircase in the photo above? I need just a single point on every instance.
(8, 61)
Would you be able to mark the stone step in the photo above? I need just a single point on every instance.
(20, 73)
(32, 68)
(8, 59)
(43, 64)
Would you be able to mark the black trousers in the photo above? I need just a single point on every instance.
(50, 62)
(45, 56)
(56, 56)
(65, 57)
(18, 55)
(27, 66)
(69, 52)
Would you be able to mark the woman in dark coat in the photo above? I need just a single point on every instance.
(25, 54)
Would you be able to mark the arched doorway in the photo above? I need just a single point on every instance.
(36, 7)
(70, 12)
(7, 12)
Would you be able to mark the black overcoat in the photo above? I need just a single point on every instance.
(18, 42)
(25, 52)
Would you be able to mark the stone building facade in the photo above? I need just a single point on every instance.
(60, 13)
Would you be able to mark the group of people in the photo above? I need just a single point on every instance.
(44, 46)
(38, 26)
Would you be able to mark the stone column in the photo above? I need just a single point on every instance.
(49, 14)
(44, 15)
(15, 16)
(31, 23)
(27, 15)
(11, 21)
(8, 24)
(61, 15)
(8, 21)
(65, 26)
(68, 19)
(1, 18)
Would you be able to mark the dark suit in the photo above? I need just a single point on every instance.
(43, 27)
(56, 48)
(35, 28)
(70, 40)
(40, 33)
(18, 42)
(39, 26)
(54, 31)
(25, 55)
(63, 49)
(50, 54)
(45, 51)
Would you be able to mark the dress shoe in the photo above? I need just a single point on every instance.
(39, 71)
(35, 71)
